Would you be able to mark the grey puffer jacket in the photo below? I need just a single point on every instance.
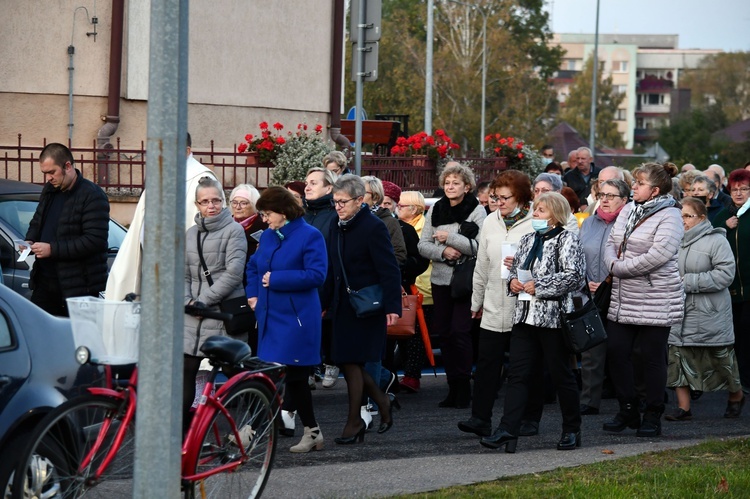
(555, 282)
(707, 268)
(646, 289)
(224, 250)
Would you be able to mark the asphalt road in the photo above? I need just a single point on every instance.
(425, 450)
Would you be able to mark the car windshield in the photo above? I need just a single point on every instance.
(18, 214)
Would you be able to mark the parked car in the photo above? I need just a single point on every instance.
(18, 202)
(38, 371)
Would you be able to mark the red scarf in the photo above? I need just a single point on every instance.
(608, 217)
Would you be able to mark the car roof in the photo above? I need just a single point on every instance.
(16, 187)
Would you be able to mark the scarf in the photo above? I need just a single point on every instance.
(445, 214)
(644, 210)
(510, 221)
(538, 247)
(608, 217)
(414, 221)
(246, 223)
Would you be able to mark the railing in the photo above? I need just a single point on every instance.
(121, 171)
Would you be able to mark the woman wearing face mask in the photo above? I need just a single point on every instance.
(548, 268)
(612, 196)
(647, 295)
(501, 231)
(704, 189)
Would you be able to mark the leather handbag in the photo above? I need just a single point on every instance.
(583, 328)
(367, 301)
(242, 315)
(603, 295)
(405, 326)
(462, 280)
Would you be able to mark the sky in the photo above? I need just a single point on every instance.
(717, 24)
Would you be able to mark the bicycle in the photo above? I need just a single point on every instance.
(86, 445)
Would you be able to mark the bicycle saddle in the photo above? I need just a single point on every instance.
(226, 350)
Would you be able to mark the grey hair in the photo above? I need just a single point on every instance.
(554, 180)
(584, 149)
(702, 179)
(556, 204)
(617, 169)
(376, 186)
(623, 189)
(329, 178)
(352, 185)
(207, 183)
(337, 157)
(463, 172)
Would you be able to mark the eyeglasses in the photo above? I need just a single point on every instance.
(687, 216)
(240, 204)
(640, 183)
(340, 202)
(740, 190)
(206, 202)
(498, 198)
(401, 206)
(608, 197)
(265, 214)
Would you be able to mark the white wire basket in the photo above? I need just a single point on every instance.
(109, 329)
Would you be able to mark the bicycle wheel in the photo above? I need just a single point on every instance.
(69, 445)
(251, 406)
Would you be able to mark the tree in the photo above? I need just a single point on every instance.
(577, 108)
(688, 139)
(723, 80)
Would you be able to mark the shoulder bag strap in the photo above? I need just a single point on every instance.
(343, 272)
(206, 272)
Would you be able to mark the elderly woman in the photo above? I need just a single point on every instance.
(612, 197)
(297, 189)
(701, 352)
(705, 189)
(501, 232)
(242, 204)
(361, 255)
(548, 268)
(647, 295)
(450, 235)
(736, 221)
(283, 278)
(221, 243)
(549, 182)
(336, 163)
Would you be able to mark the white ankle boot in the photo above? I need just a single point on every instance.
(287, 420)
(312, 439)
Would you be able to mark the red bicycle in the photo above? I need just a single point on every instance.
(86, 446)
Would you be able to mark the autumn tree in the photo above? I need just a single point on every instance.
(722, 80)
(688, 138)
(577, 108)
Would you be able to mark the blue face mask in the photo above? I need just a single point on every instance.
(546, 161)
(515, 212)
(539, 225)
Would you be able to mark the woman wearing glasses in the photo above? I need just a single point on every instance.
(221, 243)
(490, 302)
(612, 196)
(283, 278)
(647, 295)
(242, 204)
(736, 221)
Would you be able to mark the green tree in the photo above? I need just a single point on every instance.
(722, 80)
(688, 138)
(577, 108)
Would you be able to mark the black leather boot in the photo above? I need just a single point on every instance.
(450, 399)
(651, 425)
(463, 393)
(627, 417)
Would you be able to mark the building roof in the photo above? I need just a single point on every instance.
(736, 132)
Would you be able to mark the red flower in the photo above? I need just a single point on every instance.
(249, 137)
(318, 128)
(280, 140)
(263, 125)
(242, 147)
(519, 146)
(278, 126)
(520, 155)
(502, 142)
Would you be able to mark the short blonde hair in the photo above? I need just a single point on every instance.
(413, 198)
(461, 171)
(376, 186)
(556, 204)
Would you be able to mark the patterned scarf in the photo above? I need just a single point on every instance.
(643, 210)
(246, 223)
(510, 221)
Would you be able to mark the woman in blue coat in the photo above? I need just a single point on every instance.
(283, 277)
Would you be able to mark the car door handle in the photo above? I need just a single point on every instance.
(4, 381)
(25, 285)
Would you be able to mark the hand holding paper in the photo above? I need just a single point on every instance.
(524, 276)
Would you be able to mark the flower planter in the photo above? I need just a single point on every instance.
(420, 161)
(252, 158)
(501, 162)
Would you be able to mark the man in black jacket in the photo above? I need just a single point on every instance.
(580, 175)
(68, 234)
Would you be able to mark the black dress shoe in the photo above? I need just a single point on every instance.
(499, 439)
(385, 426)
(476, 426)
(569, 441)
(587, 410)
(528, 429)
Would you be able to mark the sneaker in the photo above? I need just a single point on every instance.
(287, 420)
(311, 382)
(366, 415)
(679, 414)
(318, 373)
(331, 377)
(246, 436)
(410, 384)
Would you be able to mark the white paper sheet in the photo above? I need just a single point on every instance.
(524, 276)
(508, 249)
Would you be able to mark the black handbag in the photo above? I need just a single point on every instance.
(242, 315)
(603, 295)
(367, 301)
(463, 277)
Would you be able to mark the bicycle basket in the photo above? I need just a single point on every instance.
(109, 329)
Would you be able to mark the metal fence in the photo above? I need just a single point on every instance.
(121, 171)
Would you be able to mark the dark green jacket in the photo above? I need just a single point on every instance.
(739, 240)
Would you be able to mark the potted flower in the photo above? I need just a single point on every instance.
(301, 151)
(264, 147)
(424, 146)
(514, 153)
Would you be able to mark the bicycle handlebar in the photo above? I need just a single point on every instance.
(199, 309)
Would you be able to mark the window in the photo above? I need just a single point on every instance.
(654, 98)
(620, 66)
(639, 122)
(620, 89)
(621, 115)
(6, 340)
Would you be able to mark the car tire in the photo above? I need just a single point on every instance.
(7, 466)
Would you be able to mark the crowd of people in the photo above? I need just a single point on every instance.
(324, 263)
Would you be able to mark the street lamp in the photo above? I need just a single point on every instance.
(484, 64)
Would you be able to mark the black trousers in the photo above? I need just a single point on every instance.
(741, 319)
(298, 394)
(651, 342)
(48, 296)
(452, 322)
(487, 380)
(529, 345)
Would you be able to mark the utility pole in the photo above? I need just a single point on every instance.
(428, 69)
(592, 124)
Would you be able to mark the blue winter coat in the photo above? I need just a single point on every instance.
(288, 310)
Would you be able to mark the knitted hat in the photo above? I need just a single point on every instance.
(297, 186)
(392, 191)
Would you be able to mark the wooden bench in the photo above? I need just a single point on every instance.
(382, 134)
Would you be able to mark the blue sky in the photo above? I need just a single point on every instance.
(720, 24)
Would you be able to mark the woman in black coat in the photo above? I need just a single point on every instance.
(360, 242)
